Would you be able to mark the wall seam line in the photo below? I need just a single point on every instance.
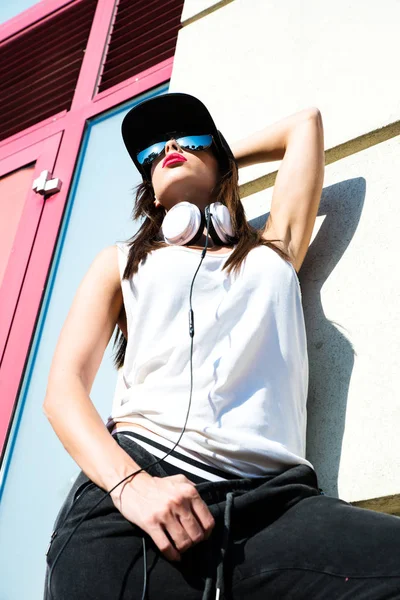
(205, 12)
(386, 504)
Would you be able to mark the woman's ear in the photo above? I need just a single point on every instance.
(157, 204)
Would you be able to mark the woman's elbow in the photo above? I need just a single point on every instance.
(49, 406)
(57, 385)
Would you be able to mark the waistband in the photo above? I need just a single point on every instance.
(177, 459)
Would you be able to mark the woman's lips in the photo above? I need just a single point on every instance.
(173, 158)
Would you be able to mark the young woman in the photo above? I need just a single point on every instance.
(204, 453)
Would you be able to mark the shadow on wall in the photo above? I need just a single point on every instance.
(331, 355)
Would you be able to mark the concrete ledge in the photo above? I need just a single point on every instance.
(385, 504)
(195, 9)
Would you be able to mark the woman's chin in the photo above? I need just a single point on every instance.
(183, 191)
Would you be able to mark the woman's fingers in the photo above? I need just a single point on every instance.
(193, 512)
(162, 542)
(192, 527)
(183, 529)
(178, 533)
(203, 515)
(173, 536)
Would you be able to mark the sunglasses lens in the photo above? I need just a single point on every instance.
(195, 142)
(188, 142)
(146, 157)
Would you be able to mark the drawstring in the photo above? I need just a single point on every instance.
(144, 590)
(207, 589)
(224, 548)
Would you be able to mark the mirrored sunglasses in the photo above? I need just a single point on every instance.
(187, 142)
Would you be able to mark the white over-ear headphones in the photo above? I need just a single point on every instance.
(184, 224)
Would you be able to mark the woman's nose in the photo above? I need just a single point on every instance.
(172, 146)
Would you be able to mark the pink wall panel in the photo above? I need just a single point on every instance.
(13, 193)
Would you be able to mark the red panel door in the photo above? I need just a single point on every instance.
(21, 210)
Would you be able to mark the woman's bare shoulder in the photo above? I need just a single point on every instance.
(106, 263)
(109, 254)
(102, 279)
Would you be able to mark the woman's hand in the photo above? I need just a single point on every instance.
(167, 508)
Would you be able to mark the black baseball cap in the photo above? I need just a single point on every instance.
(169, 115)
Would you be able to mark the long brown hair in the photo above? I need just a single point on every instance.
(149, 237)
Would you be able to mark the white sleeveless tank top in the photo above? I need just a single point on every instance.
(250, 364)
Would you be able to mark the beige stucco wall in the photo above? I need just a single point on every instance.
(255, 62)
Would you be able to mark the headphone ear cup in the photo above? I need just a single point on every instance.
(220, 223)
(183, 224)
(214, 235)
(200, 230)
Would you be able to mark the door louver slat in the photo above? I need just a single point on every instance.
(41, 46)
(141, 51)
(144, 34)
(51, 90)
(143, 7)
(34, 113)
(119, 75)
(150, 55)
(40, 67)
(146, 11)
(158, 31)
(20, 79)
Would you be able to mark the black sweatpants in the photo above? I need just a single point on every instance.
(275, 539)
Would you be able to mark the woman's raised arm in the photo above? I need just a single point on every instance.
(299, 140)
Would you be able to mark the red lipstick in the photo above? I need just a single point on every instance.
(173, 158)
